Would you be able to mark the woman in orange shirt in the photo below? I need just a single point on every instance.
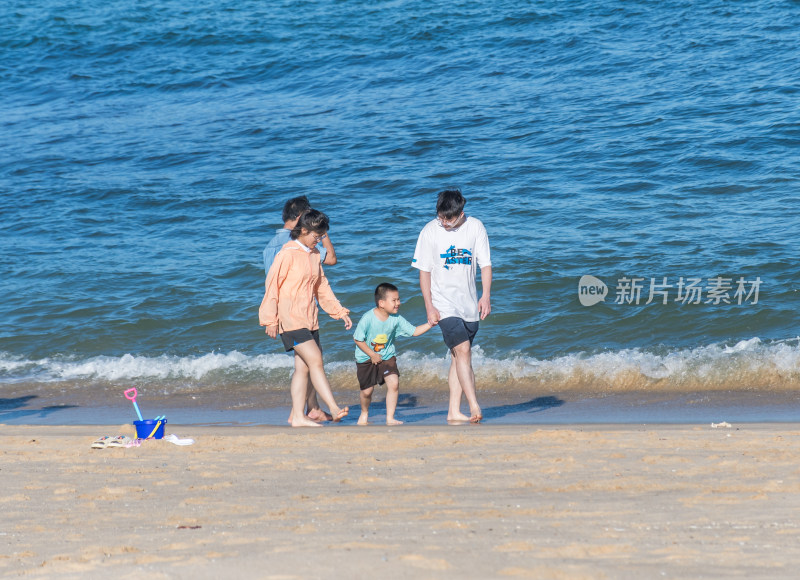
(295, 283)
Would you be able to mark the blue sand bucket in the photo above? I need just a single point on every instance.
(150, 428)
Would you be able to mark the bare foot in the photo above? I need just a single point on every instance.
(340, 414)
(393, 422)
(319, 415)
(476, 415)
(291, 414)
(457, 417)
(364, 420)
(305, 422)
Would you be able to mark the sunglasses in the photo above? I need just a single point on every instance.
(449, 223)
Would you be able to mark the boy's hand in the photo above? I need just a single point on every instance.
(433, 316)
(272, 331)
(375, 358)
(348, 324)
(484, 306)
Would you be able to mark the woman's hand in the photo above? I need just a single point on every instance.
(348, 324)
(272, 331)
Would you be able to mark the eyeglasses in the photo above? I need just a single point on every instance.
(450, 223)
(317, 238)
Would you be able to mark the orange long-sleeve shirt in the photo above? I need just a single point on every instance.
(293, 282)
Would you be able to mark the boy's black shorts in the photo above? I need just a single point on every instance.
(370, 374)
(456, 330)
(292, 337)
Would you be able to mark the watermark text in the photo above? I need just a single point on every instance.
(663, 290)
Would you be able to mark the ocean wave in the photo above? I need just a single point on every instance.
(130, 367)
(747, 365)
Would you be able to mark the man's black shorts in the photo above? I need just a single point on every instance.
(456, 330)
(370, 374)
(291, 338)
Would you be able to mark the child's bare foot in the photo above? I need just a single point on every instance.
(339, 414)
(305, 422)
(319, 415)
(364, 420)
(459, 416)
(393, 421)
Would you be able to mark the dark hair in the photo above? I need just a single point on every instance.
(450, 203)
(295, 207)
(382, 289)
(312, 221)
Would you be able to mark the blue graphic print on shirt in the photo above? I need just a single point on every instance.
(456, 256)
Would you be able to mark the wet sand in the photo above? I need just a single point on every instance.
(482, 501)
(422, 407)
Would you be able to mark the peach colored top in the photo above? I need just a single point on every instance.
(293, 282)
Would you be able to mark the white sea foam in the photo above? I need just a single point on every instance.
(749, 364)
(137, 367)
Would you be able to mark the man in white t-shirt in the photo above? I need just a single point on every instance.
(450, 249)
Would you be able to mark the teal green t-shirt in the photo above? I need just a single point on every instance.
(371, 327)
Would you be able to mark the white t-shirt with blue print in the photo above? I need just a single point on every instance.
(453, 258)
(370, 326)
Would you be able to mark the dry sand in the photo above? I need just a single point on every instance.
(407, 502)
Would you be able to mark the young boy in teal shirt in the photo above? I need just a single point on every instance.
(376, 361)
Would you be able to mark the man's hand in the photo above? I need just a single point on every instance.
(425, 287)
(272, 331)
(484, 306)
(330, 256)
(433, 316)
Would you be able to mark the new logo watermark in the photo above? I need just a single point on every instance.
(591, 290)
(684, 290)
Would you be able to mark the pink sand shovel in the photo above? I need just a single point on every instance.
(130, 394)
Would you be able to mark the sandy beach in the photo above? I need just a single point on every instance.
(482, 501)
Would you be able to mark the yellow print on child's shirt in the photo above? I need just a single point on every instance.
(379, 342)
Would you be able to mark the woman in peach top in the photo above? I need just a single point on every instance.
(295, 282)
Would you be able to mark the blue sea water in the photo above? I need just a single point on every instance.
(146, 150)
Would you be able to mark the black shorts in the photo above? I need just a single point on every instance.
(292, 337)
(370, 374)
(456, 330)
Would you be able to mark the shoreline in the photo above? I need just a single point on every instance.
(429, 409)
(585, 501)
